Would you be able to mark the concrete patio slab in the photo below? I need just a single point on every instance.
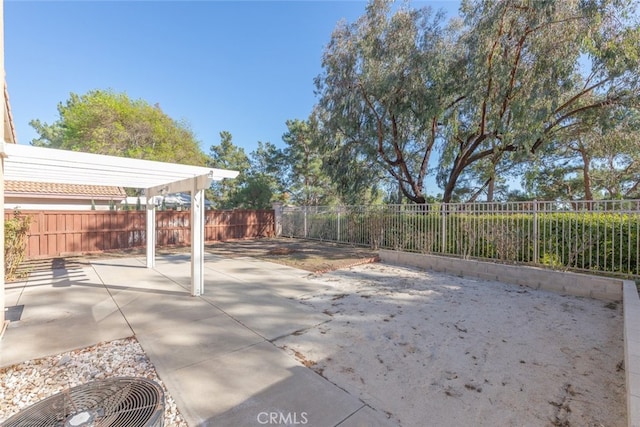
(44, 339)
(131, 272)
(283, 280)
(12, 294)
(212, 352)
(237, 287)
(239, 388)
(61, 314)
(151, 314)
(188, 343)
(270, 316)
(129, 281)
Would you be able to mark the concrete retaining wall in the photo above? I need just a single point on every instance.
(584, 285)
(603, 288)
(631, 309)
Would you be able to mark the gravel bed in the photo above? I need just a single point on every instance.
(26, 383)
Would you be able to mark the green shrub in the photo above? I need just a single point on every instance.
(16, 231)
(551, 260)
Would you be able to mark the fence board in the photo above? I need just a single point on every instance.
(56, 233)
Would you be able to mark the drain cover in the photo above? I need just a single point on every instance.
(13, 313)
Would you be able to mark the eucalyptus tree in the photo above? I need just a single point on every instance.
(558, 175)
(486, 92)
(487, 178)
(616, 157)
(526, 87)
(602, 161)
(357, 178)
(382, 91)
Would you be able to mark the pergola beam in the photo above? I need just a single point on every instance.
(183, 186)
(39, 164)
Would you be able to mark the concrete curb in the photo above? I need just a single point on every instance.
(563, 282)
(631, 309)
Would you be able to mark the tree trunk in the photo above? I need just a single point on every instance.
(491, 188)
(586, 174)
(451, 182)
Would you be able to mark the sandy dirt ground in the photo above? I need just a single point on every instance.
(433, 349)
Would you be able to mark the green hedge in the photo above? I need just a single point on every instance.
(595, 241)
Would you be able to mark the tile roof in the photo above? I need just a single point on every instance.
(74, 191)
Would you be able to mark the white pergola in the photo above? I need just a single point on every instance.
(37, 164)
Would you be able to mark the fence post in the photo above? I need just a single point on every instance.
(338, 208)
(536, 254)
(443, 227)
(305, 221)
(277, 213)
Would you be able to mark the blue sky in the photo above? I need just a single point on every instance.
(241, 66)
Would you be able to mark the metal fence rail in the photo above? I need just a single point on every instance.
(593, 236)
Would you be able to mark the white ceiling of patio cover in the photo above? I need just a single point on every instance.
(37, 164)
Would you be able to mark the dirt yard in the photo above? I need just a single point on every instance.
(420, 345)
(309, 255)
(313, 256)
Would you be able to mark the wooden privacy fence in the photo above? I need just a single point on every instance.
(58, 233)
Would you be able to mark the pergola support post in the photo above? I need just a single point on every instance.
(197, 240)
(151, 233)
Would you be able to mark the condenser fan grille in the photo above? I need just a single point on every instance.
(126, 402)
